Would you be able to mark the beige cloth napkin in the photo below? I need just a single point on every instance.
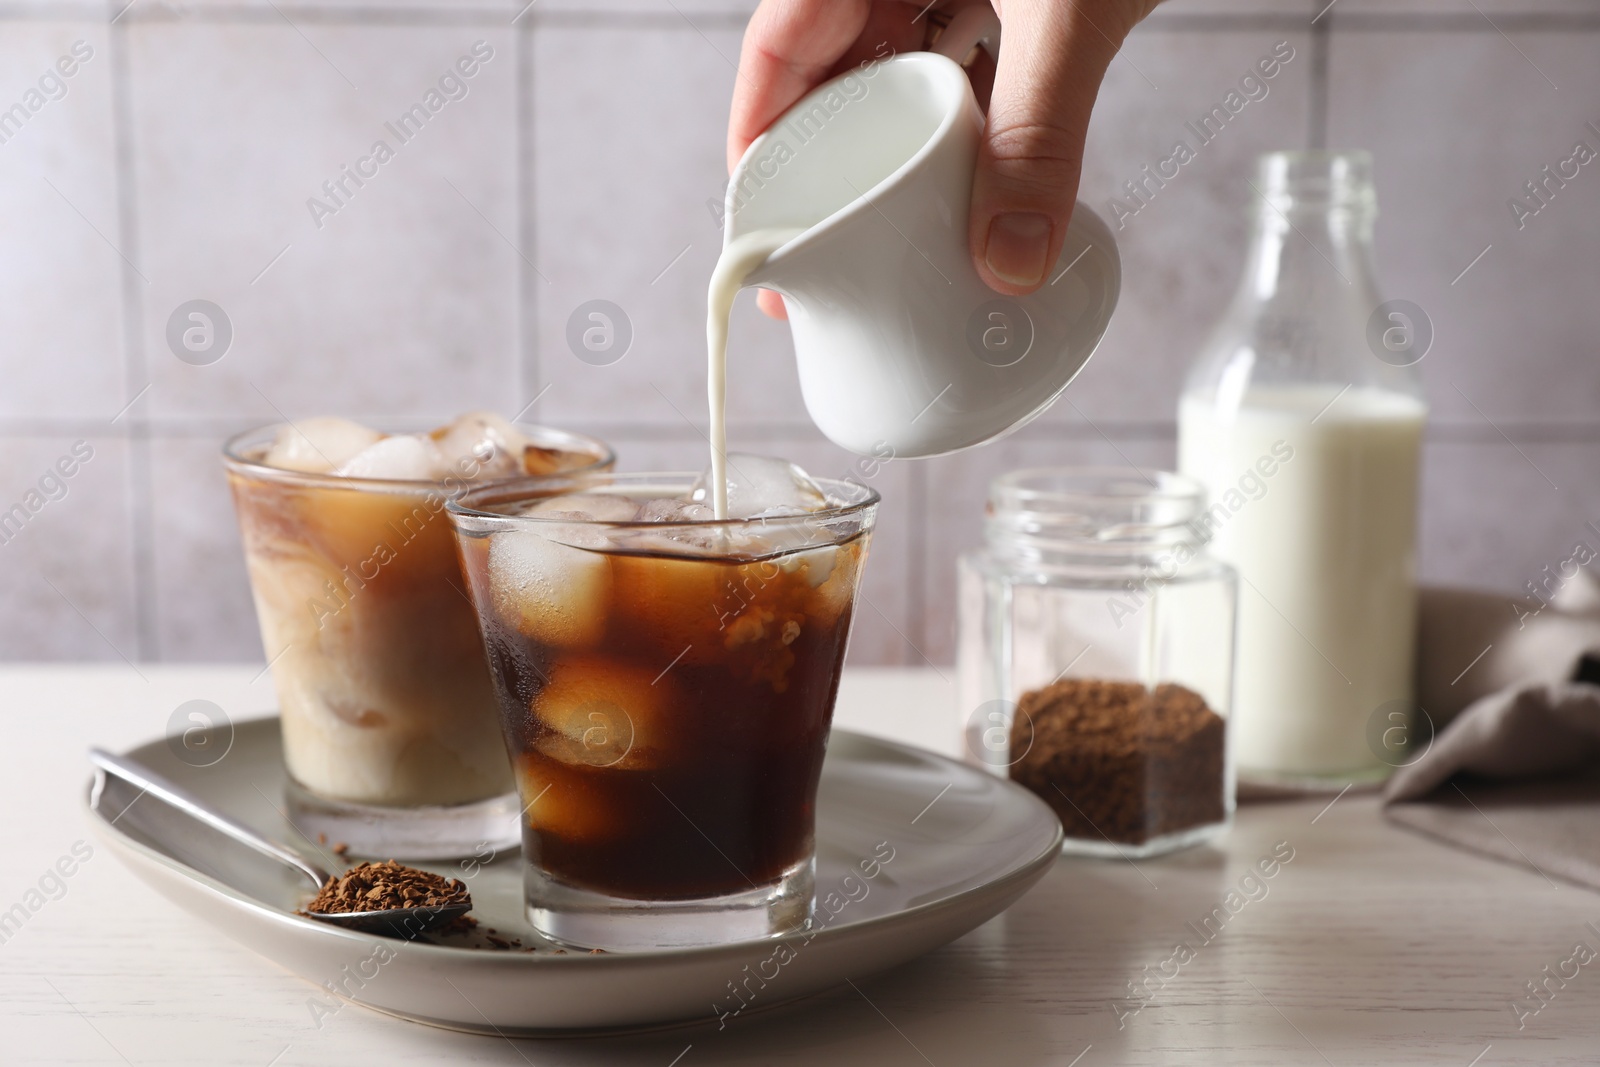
(1471, 644)
(1513, 689)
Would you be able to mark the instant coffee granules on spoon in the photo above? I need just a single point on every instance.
(387, 886)
(1120, 762)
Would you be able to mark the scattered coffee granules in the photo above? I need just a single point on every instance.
(385, 886)
(1116, 760)
(461, 925)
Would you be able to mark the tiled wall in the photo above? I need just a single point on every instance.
(579, 165)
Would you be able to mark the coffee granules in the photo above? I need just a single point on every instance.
(385, 886)
(1118, 761)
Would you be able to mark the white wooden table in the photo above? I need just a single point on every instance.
(1370, 946)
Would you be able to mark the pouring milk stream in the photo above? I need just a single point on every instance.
(853, 205)
(740, 256)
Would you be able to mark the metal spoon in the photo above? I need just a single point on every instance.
(396, 922)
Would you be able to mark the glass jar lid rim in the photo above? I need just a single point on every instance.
(1092, 509)
(1029, 487)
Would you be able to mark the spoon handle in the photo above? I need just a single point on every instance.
(155, 785)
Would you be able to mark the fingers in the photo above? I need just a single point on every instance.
(892, 27)
(789, 48)
(1052, 57)
(771, 303)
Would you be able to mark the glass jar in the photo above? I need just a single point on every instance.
(1096, 655)
(1303, 417)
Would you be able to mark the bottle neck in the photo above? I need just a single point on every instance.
(1302, 316)
(1309, 251)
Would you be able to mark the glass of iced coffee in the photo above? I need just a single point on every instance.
(391, 732)
(666, 683)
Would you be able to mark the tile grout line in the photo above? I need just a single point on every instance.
(141, 502)
(527, 372)
(1470, 22)
(183, 427)
(1320, 89)
(326, 14)
(917, 552)
(492, 15)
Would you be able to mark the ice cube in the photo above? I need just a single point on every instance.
(678, 605)
(763, 486)
(562, 802)
(671, 509)
(402, 457)
(318, 446)
(833, 573)
(297, 595)
(537, 459)
(586, 507)
(815, 563)
(709, 542)
(347, 525)
(674, 540)
(602, 712)
(580, 533)
(552, 592)
(742, 617)
(481, 445)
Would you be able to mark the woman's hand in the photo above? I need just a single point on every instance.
(1052, 59)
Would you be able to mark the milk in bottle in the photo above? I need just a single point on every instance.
(1305, 425)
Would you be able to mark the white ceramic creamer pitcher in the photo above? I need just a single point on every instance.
(902, 348)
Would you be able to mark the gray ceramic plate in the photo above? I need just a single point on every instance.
(946, 846)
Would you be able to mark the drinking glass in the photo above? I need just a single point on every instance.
(390, 731)
(666, 690)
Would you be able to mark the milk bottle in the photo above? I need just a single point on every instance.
(1303, 417)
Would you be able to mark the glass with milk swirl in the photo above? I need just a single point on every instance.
(1303, 417)
(391, 732)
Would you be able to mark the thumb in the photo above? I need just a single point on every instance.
(1052, 58)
